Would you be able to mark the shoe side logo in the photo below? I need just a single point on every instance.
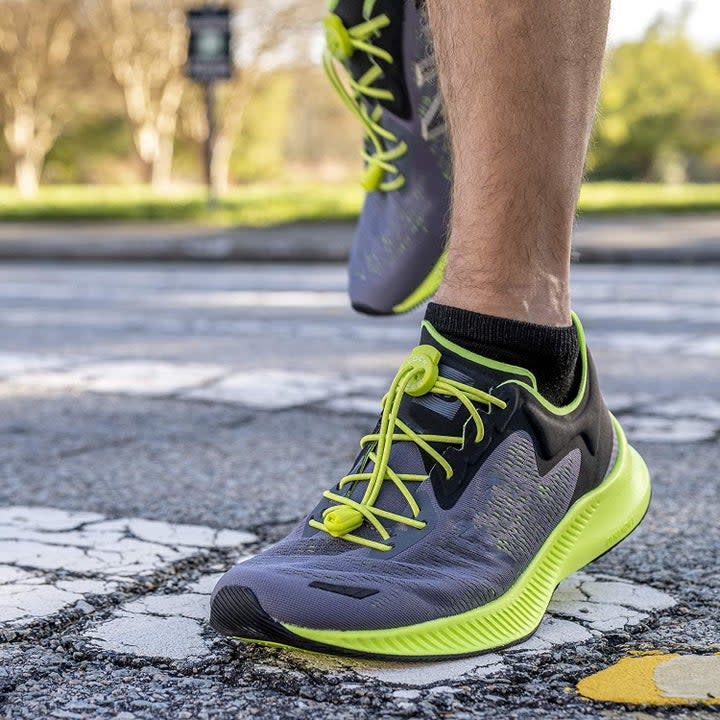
(432, 118)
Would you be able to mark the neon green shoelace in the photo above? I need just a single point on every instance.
(341, 43)
(418, 375)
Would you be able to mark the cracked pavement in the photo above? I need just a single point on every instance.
(158, 422)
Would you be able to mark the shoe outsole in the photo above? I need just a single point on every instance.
(259, 628)
(596, 523)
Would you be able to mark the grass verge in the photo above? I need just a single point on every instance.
(268, 204)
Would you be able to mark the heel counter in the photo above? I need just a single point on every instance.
(598, 432)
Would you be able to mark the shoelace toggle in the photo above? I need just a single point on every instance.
(424, 361)
(341, 519)
(337, 38)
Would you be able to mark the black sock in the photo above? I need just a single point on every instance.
(550, 353)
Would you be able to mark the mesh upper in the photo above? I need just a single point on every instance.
(465, 557)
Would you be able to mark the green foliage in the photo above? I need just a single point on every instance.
(659, 108)
(111, 154)
(268, 119)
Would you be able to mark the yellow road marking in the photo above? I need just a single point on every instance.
(633, 680)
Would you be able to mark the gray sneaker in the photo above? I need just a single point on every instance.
(397, 259)
(469, 502)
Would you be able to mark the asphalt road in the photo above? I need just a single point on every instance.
(227, 398)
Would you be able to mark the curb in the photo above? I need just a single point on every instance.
(654, 239)
(297, 242)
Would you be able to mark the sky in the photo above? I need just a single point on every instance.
(629, 18)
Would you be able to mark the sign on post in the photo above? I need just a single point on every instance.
(210, 58)
(210, 49)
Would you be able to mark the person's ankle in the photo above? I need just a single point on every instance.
(550, 353)
(542, 301)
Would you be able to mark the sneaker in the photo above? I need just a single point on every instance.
(397, 259)
(469, 502)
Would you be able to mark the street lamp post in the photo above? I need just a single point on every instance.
(209, 60)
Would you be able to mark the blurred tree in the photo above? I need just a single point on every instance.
(325, 137)
(659, 107)
(144, 44)
(268, 118)
(37, 84)
(269, 34)
(94, 149)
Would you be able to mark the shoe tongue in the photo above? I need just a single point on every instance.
(390, 38)
(436, 414)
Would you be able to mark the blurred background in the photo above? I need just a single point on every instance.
(100, 121)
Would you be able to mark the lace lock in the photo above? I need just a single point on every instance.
(372, 178)
(424, 361)
(337, 38)
(342, 519)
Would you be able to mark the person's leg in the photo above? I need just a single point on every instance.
(520, 81)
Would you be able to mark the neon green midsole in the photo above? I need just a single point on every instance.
(594, 524)
(426, 288)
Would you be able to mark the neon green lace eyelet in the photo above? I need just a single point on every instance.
(341, 520)
(337, 38)
(424, 361)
